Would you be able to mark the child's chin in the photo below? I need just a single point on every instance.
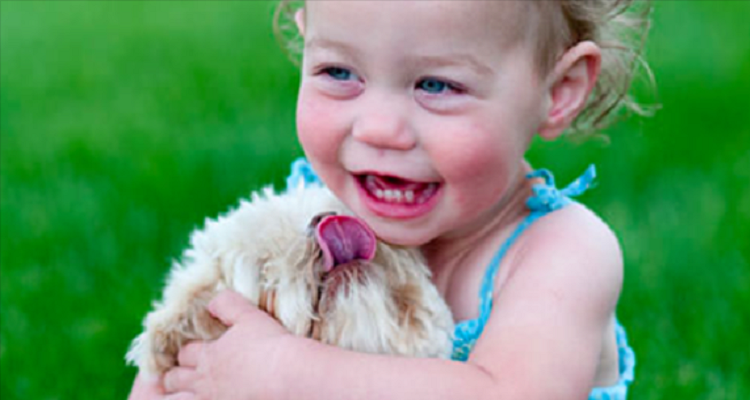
(399, 237)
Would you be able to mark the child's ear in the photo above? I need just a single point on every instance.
(299, 19)
(572, 80)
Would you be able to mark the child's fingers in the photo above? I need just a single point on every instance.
(146, 389)
(190, 354)
(229, 307)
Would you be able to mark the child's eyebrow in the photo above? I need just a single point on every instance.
(419, 61)
(451, 60)
(323, 43)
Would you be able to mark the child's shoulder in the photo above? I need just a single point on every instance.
(576, 227)
(574, 246)
(558, 296)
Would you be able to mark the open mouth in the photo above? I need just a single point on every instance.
(395, 197)
(395, 190)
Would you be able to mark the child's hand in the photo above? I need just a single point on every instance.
(241, 364)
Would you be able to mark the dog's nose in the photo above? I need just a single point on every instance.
(316, 220)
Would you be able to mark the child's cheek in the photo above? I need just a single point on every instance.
(479, 163)
(468, 154)
(316, 126)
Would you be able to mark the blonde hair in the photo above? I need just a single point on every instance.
(285, 29)
(618, 27)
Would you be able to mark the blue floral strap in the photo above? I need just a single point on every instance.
(302, 174)
(548, 197)
(626, 367)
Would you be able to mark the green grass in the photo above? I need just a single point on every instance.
(125, 124)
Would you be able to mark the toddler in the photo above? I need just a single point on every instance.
(417, 115)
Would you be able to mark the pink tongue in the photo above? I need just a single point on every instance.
(344, 239)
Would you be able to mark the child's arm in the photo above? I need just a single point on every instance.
(257, 359)
(542, 341)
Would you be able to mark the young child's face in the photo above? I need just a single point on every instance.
(417, 114)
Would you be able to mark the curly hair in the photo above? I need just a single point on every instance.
(285, 30)
(618, 27)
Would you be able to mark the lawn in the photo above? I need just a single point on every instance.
(125, 124)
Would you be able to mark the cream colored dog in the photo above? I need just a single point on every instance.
(319, 272)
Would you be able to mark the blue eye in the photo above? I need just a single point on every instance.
(433, 86)
(339, 74)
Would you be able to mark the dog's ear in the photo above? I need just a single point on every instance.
(407, 298)
(267, 301)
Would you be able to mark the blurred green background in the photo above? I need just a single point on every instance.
(125, 124)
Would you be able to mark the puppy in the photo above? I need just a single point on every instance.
(319, 272)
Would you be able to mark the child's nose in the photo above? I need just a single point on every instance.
(385, 128)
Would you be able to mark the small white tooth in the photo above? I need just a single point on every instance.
(398, 195)
(379, 193)
(388, 194)
(370, 179)
(409, 196)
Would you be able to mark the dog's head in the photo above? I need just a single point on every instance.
(333, 286)
(330, 251)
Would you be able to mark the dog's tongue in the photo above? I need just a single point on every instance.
(344, 239)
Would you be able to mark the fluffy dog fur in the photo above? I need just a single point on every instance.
(264, 250)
